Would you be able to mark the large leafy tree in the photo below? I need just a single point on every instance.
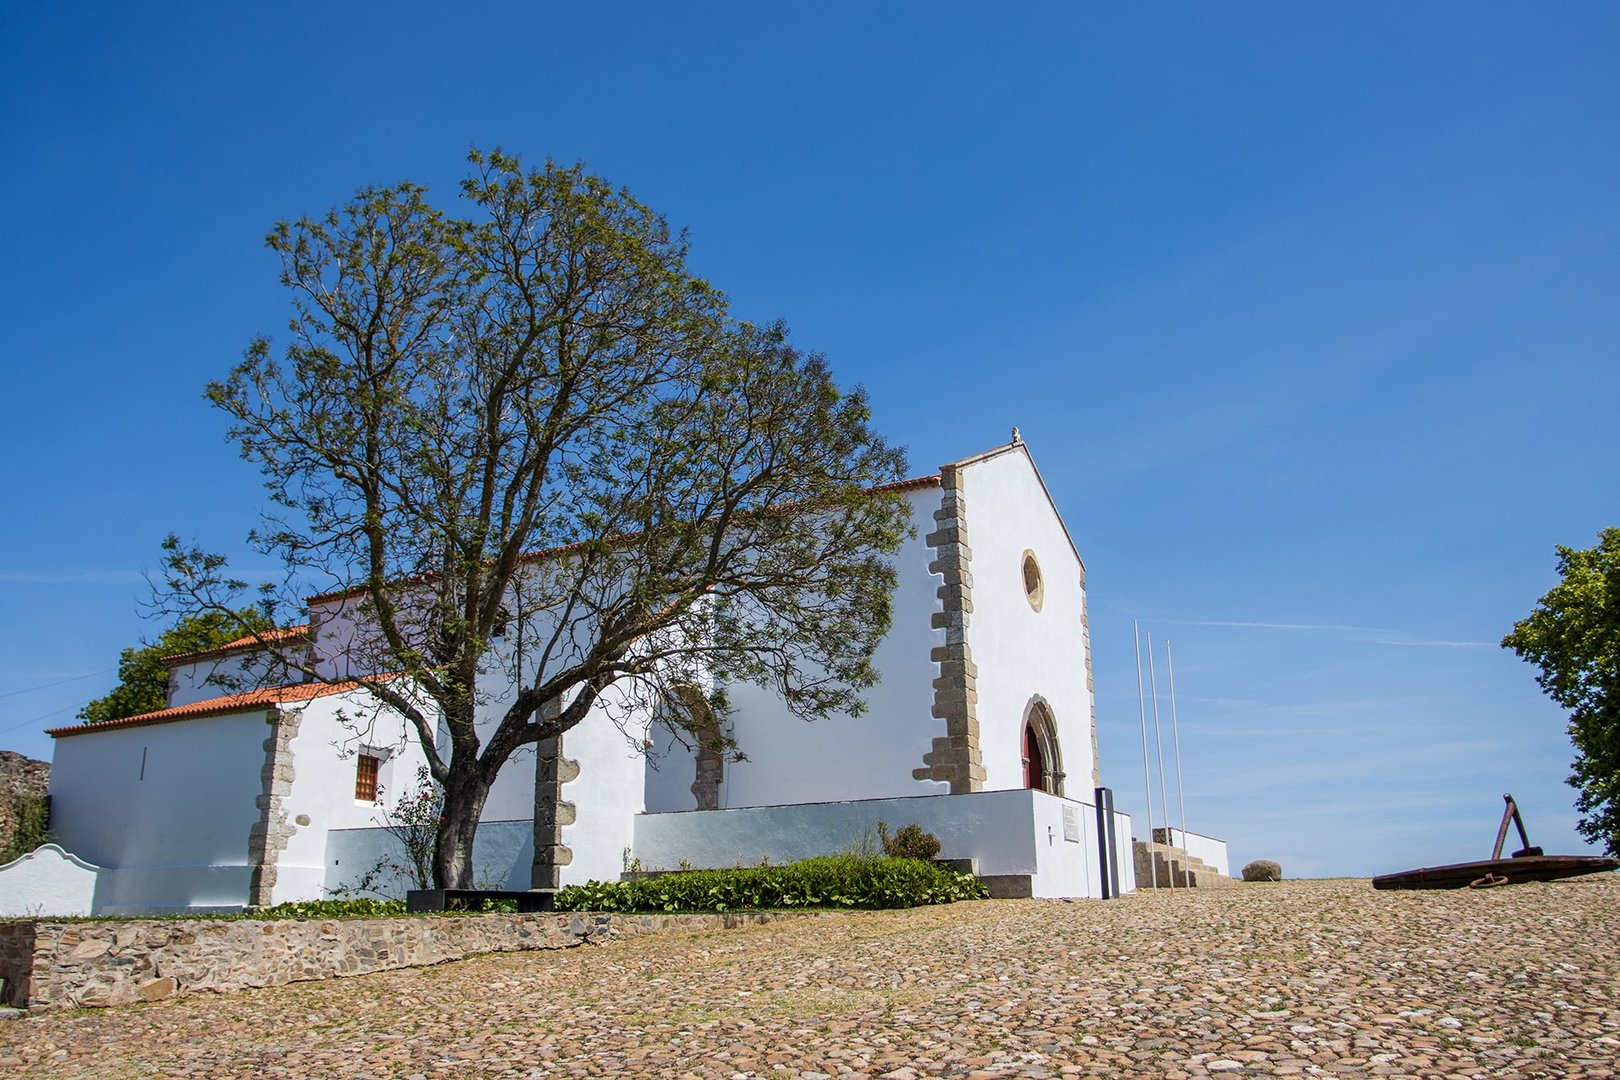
(143, 677)
(1573, 636)
(548, 474)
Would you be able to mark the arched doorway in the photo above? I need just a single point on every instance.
(1034, 767)
(688, 715)
(1043, 761)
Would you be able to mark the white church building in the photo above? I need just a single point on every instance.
(982, 730)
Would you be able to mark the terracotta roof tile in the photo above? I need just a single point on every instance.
(243, 702)
(252, 641)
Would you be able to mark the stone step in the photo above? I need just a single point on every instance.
(1009, 886)
(1186, 859)
(1174, 868)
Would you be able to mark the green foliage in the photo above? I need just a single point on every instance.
(143, 678)
(909, 843)
(498, 907)
(32, 813)
(834, 881)
(1573, 636)
(355, 908)
(414, 825)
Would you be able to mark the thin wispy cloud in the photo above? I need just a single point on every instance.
(57, 680)
(1370, 635)
(70, 577)
(1281, 625)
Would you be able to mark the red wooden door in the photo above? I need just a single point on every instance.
(1034, 767)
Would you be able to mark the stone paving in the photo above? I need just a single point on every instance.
(1297, 978)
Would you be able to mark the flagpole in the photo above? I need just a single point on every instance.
(1158, 739)
(1147, 780)
(1175, 735)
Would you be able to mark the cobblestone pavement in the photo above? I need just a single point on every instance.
(1309, 977)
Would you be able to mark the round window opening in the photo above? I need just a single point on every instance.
(1034, 589)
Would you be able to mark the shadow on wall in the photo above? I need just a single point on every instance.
(364, 861)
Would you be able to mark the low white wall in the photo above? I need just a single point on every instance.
(1207, 848)
(1009, 832)
(47, 881)
(503, 856)
(1125, 853)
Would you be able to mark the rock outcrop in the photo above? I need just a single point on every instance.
(20, 777)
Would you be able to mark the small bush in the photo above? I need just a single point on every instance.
(32, 814)
(1262, 870)
(909, 843)
(357, 908)
(834, 881)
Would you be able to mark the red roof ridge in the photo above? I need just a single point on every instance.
(242, 702)
(251, 641)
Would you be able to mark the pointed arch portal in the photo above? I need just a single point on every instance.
(1042, 757)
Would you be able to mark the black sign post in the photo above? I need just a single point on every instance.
(1107, 843)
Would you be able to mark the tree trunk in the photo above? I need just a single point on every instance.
(464, 799)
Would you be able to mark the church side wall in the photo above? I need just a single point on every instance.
(842, 757)
(605, 797)
(189, 683)
(165, 809)
(331, 733)
(1022, 653)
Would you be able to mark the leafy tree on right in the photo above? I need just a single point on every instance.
(1573, 636)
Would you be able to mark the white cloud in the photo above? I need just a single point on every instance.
(70, 577)
(1370, 635)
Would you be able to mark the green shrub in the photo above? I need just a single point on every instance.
(909, 843)
(32, 814)
(358, 908)
(833, 881)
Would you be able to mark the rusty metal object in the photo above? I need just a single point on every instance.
(1526, 864)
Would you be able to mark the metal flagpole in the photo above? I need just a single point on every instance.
(1158, 739)
(1175, 736)
(1147, 780)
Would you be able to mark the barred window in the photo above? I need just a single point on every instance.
(365, 779)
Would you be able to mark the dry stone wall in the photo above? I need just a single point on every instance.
(95, 963)
(20, 777)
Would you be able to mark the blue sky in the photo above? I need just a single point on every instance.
(1308, 313)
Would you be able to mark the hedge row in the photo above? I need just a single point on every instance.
(835, 881)
(353, 908)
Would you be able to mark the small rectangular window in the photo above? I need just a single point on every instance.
(365, 779)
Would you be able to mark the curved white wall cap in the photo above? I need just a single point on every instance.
(47, 881)
(50, 849)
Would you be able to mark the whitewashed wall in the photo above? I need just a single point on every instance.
(844, 757)
(173, 834)
(1020, 652)
(1126, 861)
(1008, 832)
(47, 881)
(1207, 848)
(212, 678)
(669, 770)
(607, 795)
(332, 732)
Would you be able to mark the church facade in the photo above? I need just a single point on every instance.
(982, 730)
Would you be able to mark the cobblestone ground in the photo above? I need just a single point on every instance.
(1310, 977)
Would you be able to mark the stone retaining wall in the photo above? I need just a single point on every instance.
(95, 963)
